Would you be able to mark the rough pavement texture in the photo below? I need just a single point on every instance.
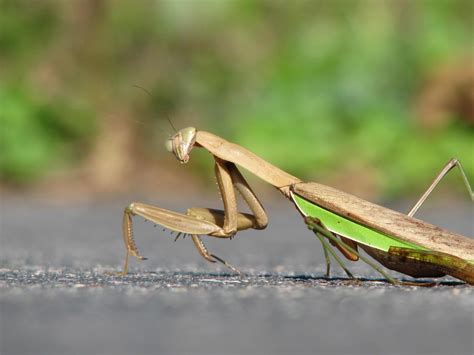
(56, 296)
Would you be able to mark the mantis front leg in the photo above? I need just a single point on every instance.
(202, 221)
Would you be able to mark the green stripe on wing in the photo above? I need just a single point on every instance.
(350, 229)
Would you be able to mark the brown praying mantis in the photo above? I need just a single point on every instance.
(399, 242)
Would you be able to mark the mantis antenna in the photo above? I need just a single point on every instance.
(149, 94)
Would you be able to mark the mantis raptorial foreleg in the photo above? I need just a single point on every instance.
(224, 181)
(228, 177)
(239, 182)
(217, 217)
(447, 168)
(202, 221)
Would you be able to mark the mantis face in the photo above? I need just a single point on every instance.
(182, 143)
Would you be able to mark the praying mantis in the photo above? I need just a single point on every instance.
(397, 241)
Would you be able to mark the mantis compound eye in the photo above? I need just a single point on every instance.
(188, 135)
(169, 145)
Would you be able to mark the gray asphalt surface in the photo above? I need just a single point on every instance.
(56, 296)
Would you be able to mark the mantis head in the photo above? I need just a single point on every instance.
(182, 143)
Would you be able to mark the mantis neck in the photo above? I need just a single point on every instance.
(238, 155)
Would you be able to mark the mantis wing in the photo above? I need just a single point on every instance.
(374, 225)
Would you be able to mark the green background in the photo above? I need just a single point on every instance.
(375, 93)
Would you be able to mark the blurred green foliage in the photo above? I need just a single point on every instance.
(29, 146)
(316, 87)
(36, 133)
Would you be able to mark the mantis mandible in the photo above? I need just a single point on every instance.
(399, 242)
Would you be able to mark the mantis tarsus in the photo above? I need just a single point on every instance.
(397, 241)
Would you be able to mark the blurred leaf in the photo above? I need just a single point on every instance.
(36, 136)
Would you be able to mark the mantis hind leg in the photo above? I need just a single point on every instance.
(427, 263)
(447, 168)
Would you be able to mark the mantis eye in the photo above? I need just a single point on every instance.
(169, 145)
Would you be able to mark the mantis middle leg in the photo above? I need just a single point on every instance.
(319, 229)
